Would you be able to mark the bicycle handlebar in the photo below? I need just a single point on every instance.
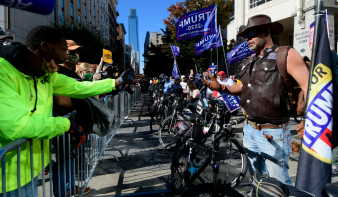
(235, 122)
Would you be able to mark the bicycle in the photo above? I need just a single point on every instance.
(166, 133)
(217, 159)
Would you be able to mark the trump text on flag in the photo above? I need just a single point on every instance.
(318, 125)
(196, 23)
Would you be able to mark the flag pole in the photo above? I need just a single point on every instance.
(210, 56)
(219, 28)
(319, 8)
(225, 61)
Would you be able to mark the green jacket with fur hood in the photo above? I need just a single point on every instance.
(20, 93)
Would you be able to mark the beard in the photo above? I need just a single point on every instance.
(258, 45)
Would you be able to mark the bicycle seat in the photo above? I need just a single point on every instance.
(191, 117)
(330, 190)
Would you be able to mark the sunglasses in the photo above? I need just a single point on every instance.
(73, 52)
(252, 34)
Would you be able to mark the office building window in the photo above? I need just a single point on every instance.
(90, 17)
(232, 14)
(97, 7)
(94, 23)
(94, 4)
(79, 21)
(85, 12)
(84, 1)
(72, 26)
(255, 3)
(90, 7)
(94, 12)
(71, 9)
(63, 18)
(86, 23)
(63, 3)
(79, 4)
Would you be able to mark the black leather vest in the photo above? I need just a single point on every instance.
(264, 95)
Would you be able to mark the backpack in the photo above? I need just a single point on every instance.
(296, 95)
(265, 186)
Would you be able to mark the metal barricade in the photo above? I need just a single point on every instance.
(73, 169)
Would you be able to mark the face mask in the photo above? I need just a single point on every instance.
(87, 76)
(73, 59)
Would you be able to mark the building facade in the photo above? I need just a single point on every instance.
(18, 22)
(112, 16)
(89, 14)
(156, 38)
(146, 41)
(133, 32)
(121, 32)
(127, 56)
(295, 16)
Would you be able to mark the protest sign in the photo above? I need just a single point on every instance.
(107, 56)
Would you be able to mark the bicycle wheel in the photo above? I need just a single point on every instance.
(166, 133)
(156, 120)
(206, 189)
(232, 162)
(177, 167)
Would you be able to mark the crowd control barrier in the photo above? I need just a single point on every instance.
(80, 162)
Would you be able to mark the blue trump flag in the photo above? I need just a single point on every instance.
(239, 52)
(197, 23)
(212, 69)
(175, 50)
(314, 166)
(44, 7)
(232, 102)
(175, 72)
(208, 42)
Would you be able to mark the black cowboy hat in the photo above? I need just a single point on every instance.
(262, 21)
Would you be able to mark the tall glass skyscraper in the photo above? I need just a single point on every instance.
(133, 32)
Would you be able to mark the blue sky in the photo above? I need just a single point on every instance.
(150, 17)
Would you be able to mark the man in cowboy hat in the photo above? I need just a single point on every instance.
(263, 96)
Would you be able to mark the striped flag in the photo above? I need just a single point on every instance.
(314, 166)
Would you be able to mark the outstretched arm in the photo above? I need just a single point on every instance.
(214, 85)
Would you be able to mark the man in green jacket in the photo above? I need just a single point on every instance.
(28, 81)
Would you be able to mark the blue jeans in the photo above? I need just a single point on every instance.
(203, 92)
(26, 190)
(270, 156)
(55, 176)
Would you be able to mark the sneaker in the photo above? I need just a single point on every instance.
(79, 191)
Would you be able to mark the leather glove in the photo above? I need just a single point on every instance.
(300, 129)
(213, 85)
(127, 76)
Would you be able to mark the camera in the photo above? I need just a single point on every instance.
(110, 72)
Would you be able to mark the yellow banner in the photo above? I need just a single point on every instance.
(107, 56)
